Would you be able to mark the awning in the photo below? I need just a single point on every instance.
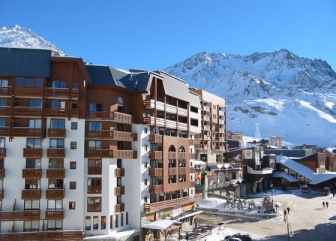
(189, 215)
(162, 224)
(213, 167)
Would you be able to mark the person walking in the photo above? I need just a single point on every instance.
(327, 204)
(285, 214)
(288, 209)
(323, 204)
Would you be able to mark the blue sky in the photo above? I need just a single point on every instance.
(154, 34)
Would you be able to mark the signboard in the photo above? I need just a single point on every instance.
(247, 154)
(176, 211)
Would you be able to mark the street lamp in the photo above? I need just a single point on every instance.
(272, 191)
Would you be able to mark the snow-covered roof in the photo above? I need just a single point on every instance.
(322, 177)
(197, 162)
(162, 224)
(286, 176)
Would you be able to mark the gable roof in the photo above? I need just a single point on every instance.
(25, 62)
(195, 100)
(175, 87)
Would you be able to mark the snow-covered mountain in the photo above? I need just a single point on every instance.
(278, 94)
(21, 37)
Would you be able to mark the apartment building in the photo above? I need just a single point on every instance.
(89, 150)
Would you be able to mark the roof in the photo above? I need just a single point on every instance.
(213, 167)
(25, 62)
(194, 100)
(175, 87)
(288, 153)
(162, 224)
(286, 176)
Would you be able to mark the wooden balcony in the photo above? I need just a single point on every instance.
(5, 110)
(220, 139)
(107, 153)
(151, 207)
(121, 117)
(74, 93)
(6, 91)
(57, 173)
(54, 214)
(55, 194)
(41, 236)
(2, 192)
(120, 207)
(56, 112)
(27, 131)
(2, 152)
(182, 155)
(155, 138)
(53, 132)
(56, 152)
(32, 173)
(32, 152)
(26, 111)
(149, 104)
(18, 91)
(94, 189)
(19, 216)
(31, 194)
(120, 190)
(155, 155)
(95, 207)
(116, 116)
(155, 172)
(56, 92)
(114, 135)
(220, 130)
(152, 189)
(2, 173)
(4, 131)
(120, 172)
(74, 113)
(171, 155)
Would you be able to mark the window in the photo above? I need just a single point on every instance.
(55, 184)
(95, 222)
(34, 143)
(118, 181)
(95, 126)
(94, 204)
(116, 221)
(56, 163)
(55, 225)
(55, 204)
(57, 123)
(3, 102)
(3, 82)
(119, 163)
(2, 142)
(2, 122)
(73, 125)
(31, 226)
(95, 167)
(72, 185)
(28, 82)
(146, 130)
(75, 86)
(121, 220)
(111, 221)
(145, 199)
(88, 223)
(72, 165)
(56, 143)
(57, 104)
(73, 145)
(33, 163)
(145, 181)
(35, 103)
(32, 184)
(119, 199)
(34, 123)
(59, 84)
(1, 165)
(95, 145)
(94, 185)
(72, 205)
(95, 107)
(126, 218)
(103, 222)
(31, 205)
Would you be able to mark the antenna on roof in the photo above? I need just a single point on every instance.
(257, 132)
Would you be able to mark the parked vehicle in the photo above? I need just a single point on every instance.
(237, 237)
(305, 189)
(326, 191)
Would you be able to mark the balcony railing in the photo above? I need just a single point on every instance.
(221, 113)
(120, 207)
(53, 132)
(94, 189)
(220, 130)
(56, 152)
(171, 155)
(155, 155)
(2, 173)
(4, 131)
(120, 172)
(27, 131)
(155, 138)
(41, 236)
(116, 116)
(19, 216)
(121, 117)
(32, 152)
(56, 173)
(54, 214)
(107, 153)
(151, 207)
(5, 110)
(182, 155)
(120, 191)
(149, 104)
(27, 111)
(182, 112)
(205, 108)
(56, 92)
(32, 173)
(95, 207)
(2, 194)
(114, 135)
(55, 193)
(152, 189)
(31, 194)
(18, 91)
(57, 112)
(74, 93)
(6, 90)
(2, 152)
(155, 172)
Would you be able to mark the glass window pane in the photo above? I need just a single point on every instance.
(54, 104)
(2, 122)
(54, 124)
(55, 84)
(2, 143)
(3, 102)
(19, 81)
(63, 84)
(92, 107)
(60, 143)
(38, 123)
(39, 82)
(53, 143)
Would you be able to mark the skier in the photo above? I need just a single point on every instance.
(327, 204)
(323, 204)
